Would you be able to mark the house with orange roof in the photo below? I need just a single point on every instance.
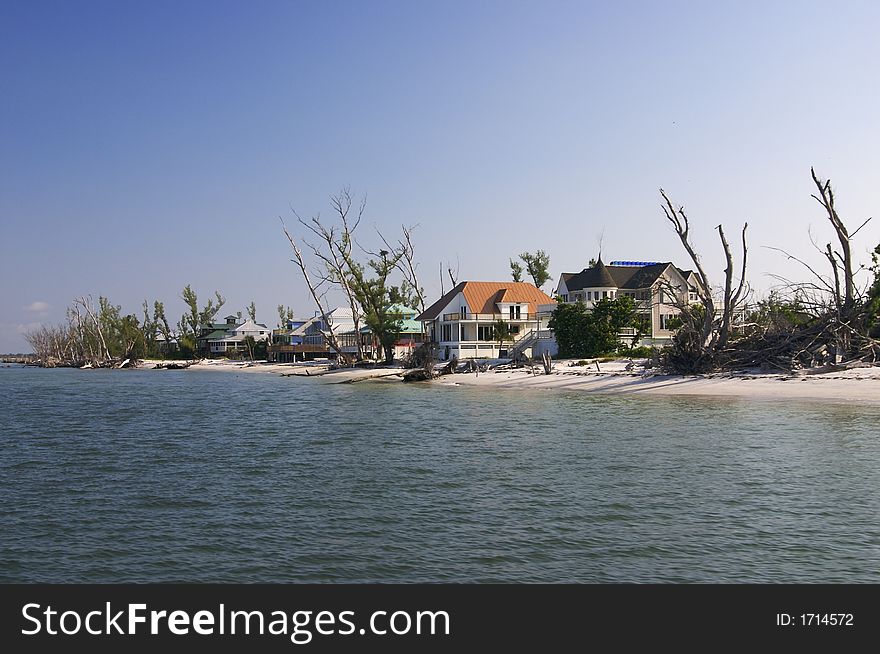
(462, 322)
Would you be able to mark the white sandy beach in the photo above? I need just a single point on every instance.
(860, 385)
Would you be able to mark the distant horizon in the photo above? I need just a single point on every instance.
(147, 147)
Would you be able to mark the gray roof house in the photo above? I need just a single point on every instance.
(657, 288)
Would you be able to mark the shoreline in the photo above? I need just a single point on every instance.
(831, 389)
(858, 385)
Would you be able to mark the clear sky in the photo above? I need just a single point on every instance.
(147, 145)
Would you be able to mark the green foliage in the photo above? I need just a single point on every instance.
(778, 315)
(252, 311)
(186, 346)
(581, 332)
(404, 294)
(195, 320)
(285, 314)
(501, 332)
(373, 296)
(643, 352)
(516, 270)
(122, 334)
(537, 266)
(872, 304)
(250, 343)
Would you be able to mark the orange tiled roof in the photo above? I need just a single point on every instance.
(481, 297)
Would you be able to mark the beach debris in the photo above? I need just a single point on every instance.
(417, 375)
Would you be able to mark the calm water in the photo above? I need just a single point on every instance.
(111, 476)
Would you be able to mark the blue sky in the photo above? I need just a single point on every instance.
(144, 146)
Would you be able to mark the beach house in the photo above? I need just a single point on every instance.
(658, 288)
(462, 322)
(233, 338)
(307, 338)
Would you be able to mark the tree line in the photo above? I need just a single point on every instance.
(101, 335)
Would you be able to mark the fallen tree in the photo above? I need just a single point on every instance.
(825, 321)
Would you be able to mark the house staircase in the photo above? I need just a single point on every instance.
(525, 341)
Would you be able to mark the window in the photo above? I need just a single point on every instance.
(463, 313)
(446, 332)
(511, 312)
(565, 297)
(485, 333)
(604, 294)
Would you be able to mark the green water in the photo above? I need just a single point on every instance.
(111, 476)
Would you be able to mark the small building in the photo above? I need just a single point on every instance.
(462, 322)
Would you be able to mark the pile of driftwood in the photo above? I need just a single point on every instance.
(174, 365)
(84, 364)
(824, 341)
(829, 323)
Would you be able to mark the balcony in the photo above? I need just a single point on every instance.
(296, 349)
(487, 317)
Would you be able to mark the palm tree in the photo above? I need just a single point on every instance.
(501, 332)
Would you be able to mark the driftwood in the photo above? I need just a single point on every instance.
(174, 365)
(417, 375)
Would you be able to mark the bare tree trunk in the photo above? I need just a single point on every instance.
(407, 265)
(826, 199)
(87, 307)
(714, 332)
(681, 224)
(731, 299)
(301, 264)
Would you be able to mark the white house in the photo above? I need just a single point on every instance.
(233, 339)
(462, 321)
(658, 288)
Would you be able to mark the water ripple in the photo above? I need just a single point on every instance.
(110, 476)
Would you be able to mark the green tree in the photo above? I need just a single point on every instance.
(501, 332)
(582, 332)
(404, 294)
(195, 320)
(285, 314)
(537, 266)
(372, 294)
(162, 327)
(872, 305)
(252, 311)
(250, 343)
(516, 270)
(149, 331)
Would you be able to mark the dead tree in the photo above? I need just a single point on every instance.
(407, 264)
(336, 251)
(841, 261)
(313, 290)
(703, 336)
